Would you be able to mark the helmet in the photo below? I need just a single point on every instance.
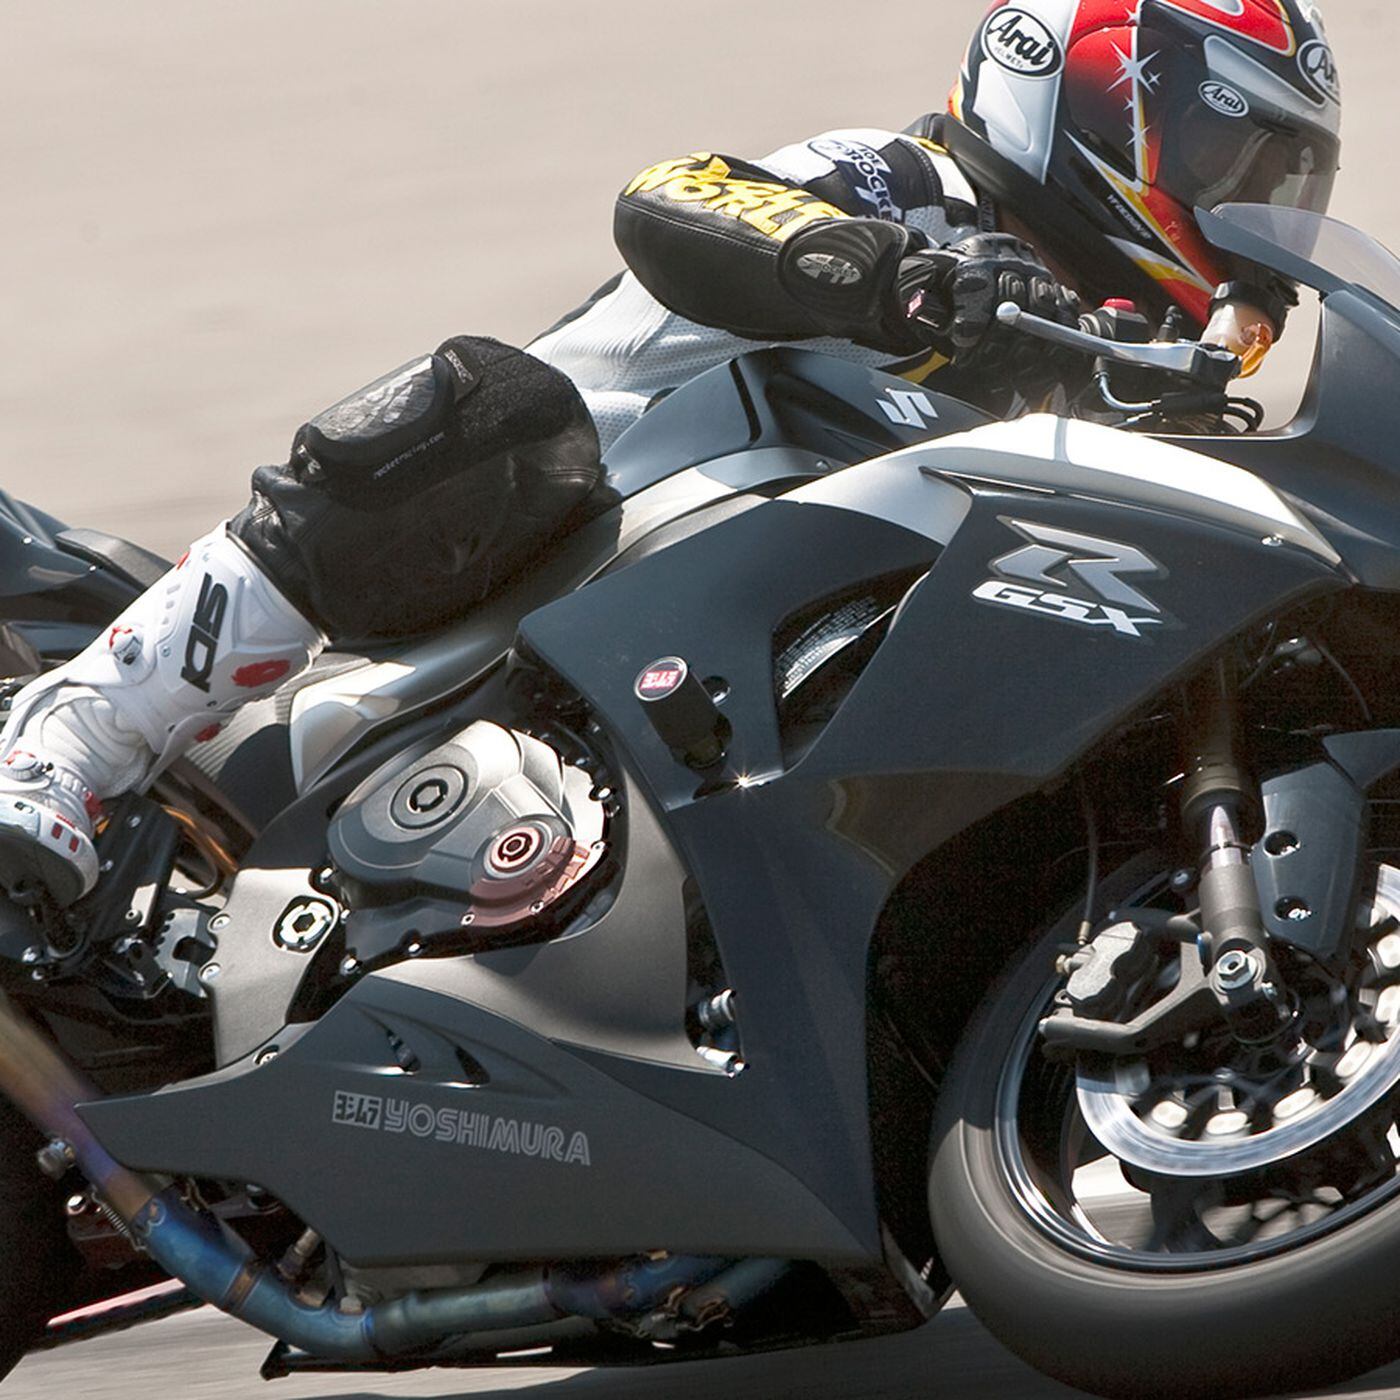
(1110, 121)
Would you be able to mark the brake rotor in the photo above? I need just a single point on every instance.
(1312, 1094)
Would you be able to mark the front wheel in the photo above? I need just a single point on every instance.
(1222, 1261)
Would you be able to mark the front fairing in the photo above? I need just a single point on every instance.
(1338, 460)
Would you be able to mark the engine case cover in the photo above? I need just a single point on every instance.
(493, 816)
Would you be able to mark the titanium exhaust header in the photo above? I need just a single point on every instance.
(213, 1263)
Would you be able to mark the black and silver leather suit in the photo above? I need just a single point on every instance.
(701, 238)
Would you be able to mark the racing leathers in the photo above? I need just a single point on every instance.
(407, 502)
(702, 236)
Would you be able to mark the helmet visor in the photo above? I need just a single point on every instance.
(1250, 160)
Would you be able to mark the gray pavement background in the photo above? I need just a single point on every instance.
(220, 218)
(204, 1355)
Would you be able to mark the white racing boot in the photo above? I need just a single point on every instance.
(214, 633)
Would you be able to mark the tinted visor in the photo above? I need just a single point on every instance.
(1214, 159)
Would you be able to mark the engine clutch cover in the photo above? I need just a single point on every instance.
(493, 816)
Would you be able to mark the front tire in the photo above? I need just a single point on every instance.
(1175, 1328)
(38, 1264)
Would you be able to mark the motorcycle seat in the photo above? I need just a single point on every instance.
(138, 566)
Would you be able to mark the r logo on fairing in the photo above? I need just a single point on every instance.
(1057, 569)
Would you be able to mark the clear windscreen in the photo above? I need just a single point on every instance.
(1321, 252)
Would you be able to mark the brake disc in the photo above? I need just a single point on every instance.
(1152, 1121)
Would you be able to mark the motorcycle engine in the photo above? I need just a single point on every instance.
(493, 819)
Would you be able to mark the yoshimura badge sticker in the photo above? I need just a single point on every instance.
(1021, 43)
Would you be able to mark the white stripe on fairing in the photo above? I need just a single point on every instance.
(1095, 448)
(1109, 450)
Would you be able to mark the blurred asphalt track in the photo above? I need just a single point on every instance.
(221, 218)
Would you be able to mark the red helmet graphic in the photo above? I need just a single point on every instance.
(1126, 115)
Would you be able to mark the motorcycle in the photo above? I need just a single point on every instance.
(888, 848)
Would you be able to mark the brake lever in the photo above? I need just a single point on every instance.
(1208, 365)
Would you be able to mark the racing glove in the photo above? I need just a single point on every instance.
(953, 293)
(881, 284)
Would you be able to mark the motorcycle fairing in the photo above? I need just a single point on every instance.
(1079, 458)
(769, 417)
(1336, 460)
(334, 1124)
(614, 995)
(963, 708)
(783, 397)
(58, 586)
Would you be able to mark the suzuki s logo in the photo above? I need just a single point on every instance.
(908, 408)
(1074, 578)
(1021, 44)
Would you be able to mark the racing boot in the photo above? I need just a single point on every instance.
(214, 633)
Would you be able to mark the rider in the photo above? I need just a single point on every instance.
(1079, 139)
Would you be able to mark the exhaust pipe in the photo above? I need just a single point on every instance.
(45, 1087)
(189, 1246)
(218, 1267)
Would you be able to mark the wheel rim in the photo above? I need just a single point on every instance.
(1273, 1187)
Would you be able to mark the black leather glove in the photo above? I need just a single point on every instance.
(953, 293)
(880, 284)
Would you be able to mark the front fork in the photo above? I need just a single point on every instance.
(1230, 971)
(1234, 943)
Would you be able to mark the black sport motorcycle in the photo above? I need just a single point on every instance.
(889, 848)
